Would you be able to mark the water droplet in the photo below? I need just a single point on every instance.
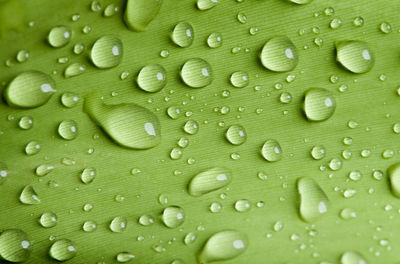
(48, 219)
(174, 112)
(190, 238)
(3, 173)
(88, 175)
(68, 129)
(335, 164)
(173, 216)
(319, 104)
(164, 53)
(365, 153)
(62, 250)
(124, 257)
(214, 40)
(301, 2)
(385, 28)
(318, 152)
(14, 245)
(358, 21)
(285, 98)
(110, 10)
(223, 245)
(152, 78)
(29, 89)
(43, 170)
(118, 224)
(335, 23)
(89, 226)
(87, 207)
(59, 36)
(146, 220)
(355, 175)
(377, 175)
(128, 124)
(139, 13)
(253, 31)
(176, 153)
(271, 150)
(388, 154)
(329, 11)
(236, 135)
(75, 17)
(22, 56)
(29, 196)
(74, 69)
(279, 54)
(32, 148)
(209, 180)
(95, 5)
(183, 34)
(348, 193)
(196, 73)
(348, 213)
(352, 257)
(393, 173)
(26, 122)
(241, 17)
(206, 4)
(355, 56)
(313, 200)
(242, 206)
(69, 99)
(106, 52)
(86, 29)
(191, 127)
(278, 226)
(240, 79)
(215, 207)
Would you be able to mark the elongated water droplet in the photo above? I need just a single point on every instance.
(118, 224)
(183, 34)
(48, 219)
(59, 36)
(223, 245)
(29, 196)
(173, 216)
(209, 180)
(352, 257)
(89, 226)
(68, 129)
(29, 89)
(26, 122)
(14, 245)
(22, 56)
(62, 250)
(88, 175)
(348, 213)
(279, 54)
(139, 13)
(355, 56)
(206, 4)
(110, 10)
(319, 104)
(74, 69)
(242, 205)
(196, 73)
(32, 148)
(313, 200)
(393, 173)
(124, 257)
(69, 100)
(43, 170)
(106, 52)
(271, 150)
(240, 79)
(174, 112)
(236, 135)
(128, 124)
(146, 220)
(301, 2)
(152, 78)
(214, 40)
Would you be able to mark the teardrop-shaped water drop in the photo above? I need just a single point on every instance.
(48, 219)
(173, 216)
(348, 213)
(319, 104)
(32, 148)
(301, 2)
(59, 36)
(74, 69)
(43, 169)
(313, 200)
(355, 56)
(239, 79)
(352, 257)
(14, 245)
(196, 73)
(88, 175)
(110, 10)
(69, 100)
(279, 54)
(139, 13)
(118, 224)
(214, 40)
(26, 122)
(236, 134)
(242, 205)
(128, 124)
(146, 220)
(393, 173)
(106, 52)
(174, 112)
(22, 56)
(271, 150)
(29, 89)
(152, 78)
(183, 34)
(68, 129)
(124, 257)
(209, 180)
(29, 196)
(62, 250)
(223, 245)
(206, 4)
(89, 226)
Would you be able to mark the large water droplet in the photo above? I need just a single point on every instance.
(106, 52)
(355, 56)
(62, 250)
(214, 40)
(318, 152)
(68, 129)
(223, 245)
(29, 196)
(209, 180)
(313, 200)
(240, 79)
(29, 89)
(236, 135)
(271, 150)
(173, 216)
(352, 257)
(279, 54)
(128, 124)
(118, 224)
(183, 34)
(319, 104)
(152, 78)
(32, 148)
(196, 73)
(242, 205)
(48, 219)
(59, 36)
(139, 13)
(14, 245)
(206, 4)
(393, 173)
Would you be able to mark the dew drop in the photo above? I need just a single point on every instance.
(215, 207)
(335, 23)
(3, 173)
(89, 226)
(43, 170)
(206, 4)
(279, 54)
(22, 56)
(319, 104)
(173, 216)
(14, 245)
(62, 250)
(29, 196)
(285, 98)
(74, 69)
(176, 153)
(59, 36)
(124, 257)
(152, 78)
(190, 238)
(318, 152)
(25, 122)
(48, 219)
(32, 148)
(358, 21)
(313, 200)
(88, 175)
(242, 206)
(239, 79)
(352, 257)
(139, 13)
(118, 224)
(236, 135)
(209, 180)
(348, 213)
(241, 17)
(385, 28)
(183, 34)
(335, 164)
(69, 99)
(68, 129)
(271, 150)
(174, 112)
(78, 48)
(191, 127)
(354, 56)
(106, 52)
(110, 10)
(214, 40)
(393, 173)
(196, 73)
(146, 220)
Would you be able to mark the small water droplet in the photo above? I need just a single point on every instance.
(176, 153)
(88, 175)
(43, 170)
(196, 73)
(146, 220)
(191, 127)
(242, 206)
(89, 226)
(209, 180)
(62, 250)
(239, 79)
(78, 48)
(118, 224)
(22, 56)
(241, 17)
(110, 10)
(124, 257)
(236, 135)
(214, 40)
(95, 5)
(335, 23)
(190, 238)
(318, 152)
(152, 78)
(313, 200)
(319, 104)
(348, 213)
(25, 122)
(14, 245)
(32, 148)
(183, 34)
(352, 257)
(385, 27)
(301, 2)
(69, 99)
(354, 56)
(355, 175)
(68, 129)
(106, 52)
(59, 36)
(279, 54)
(173, 216)
(335, 164)
(271, 150)
(358, 21)
(174, 112)
(215, 207)
(48, 219)
(74, 69)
